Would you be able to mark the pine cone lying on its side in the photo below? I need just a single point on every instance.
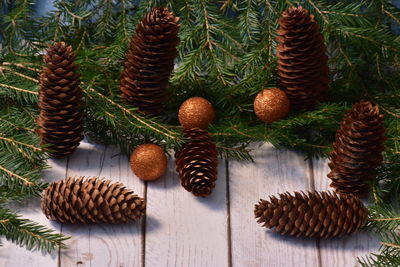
(60, 119)
(150, 61)
(197, 162)
(358, 149)
(91, 200)
(312, 214)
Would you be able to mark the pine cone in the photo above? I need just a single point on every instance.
(60, 119)
(91, 200)
(197, 162)
(358, 148)
(302, 63)
(314, 214)
(150, 61)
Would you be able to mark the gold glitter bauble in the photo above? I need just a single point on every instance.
(271, 105)
(148, 162)
(196, 112)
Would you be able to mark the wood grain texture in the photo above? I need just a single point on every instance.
(341, 251)
(13, 255)
(103, 245)
(184, 230)
(274, 171)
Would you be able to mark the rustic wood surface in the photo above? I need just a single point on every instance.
(182, 230)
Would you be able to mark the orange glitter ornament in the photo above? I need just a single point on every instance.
(148, 162)
(271, 105)
(196, 112)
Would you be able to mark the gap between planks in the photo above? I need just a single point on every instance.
(61, 225)
(310, 162)
(228, 217)
(143, 230)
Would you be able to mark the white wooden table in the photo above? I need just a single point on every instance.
(182, 230)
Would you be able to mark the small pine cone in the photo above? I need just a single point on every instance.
(302, 62)
(91, 200)
(197, 162)
(358, 149)
(150, 61)
(314, 214)
(60, 120)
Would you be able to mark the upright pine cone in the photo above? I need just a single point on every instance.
(197, 162)
(150, 61)
(60, 119)
(313, 214)
(302, 62)
(91, 200)
(358, 148)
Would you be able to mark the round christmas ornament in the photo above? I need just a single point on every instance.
(196, 112)
(271, 105)
(148, 162)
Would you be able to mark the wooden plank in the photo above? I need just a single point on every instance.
(13, 255)
(103, 245)
(184, 230)
(341, 251)
(274, 171)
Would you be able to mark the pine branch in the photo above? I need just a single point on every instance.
(26, 233)
(21, 160)
(382, 219)
(389, 254)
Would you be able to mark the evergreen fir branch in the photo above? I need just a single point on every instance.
(379, 38)
(21, 160)
(249, 21)
(131, 114)
(20, 173)
(26, 233)
(106, 23)
(16, 27)
(17, 85)
(389, 254)
(12, 142)
(382, 219)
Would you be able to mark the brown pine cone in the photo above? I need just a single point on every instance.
(60, 119)
(358, 149)
(302, 62)
(91, 200)
(197, 162)
(150, 61)
(312, 214)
